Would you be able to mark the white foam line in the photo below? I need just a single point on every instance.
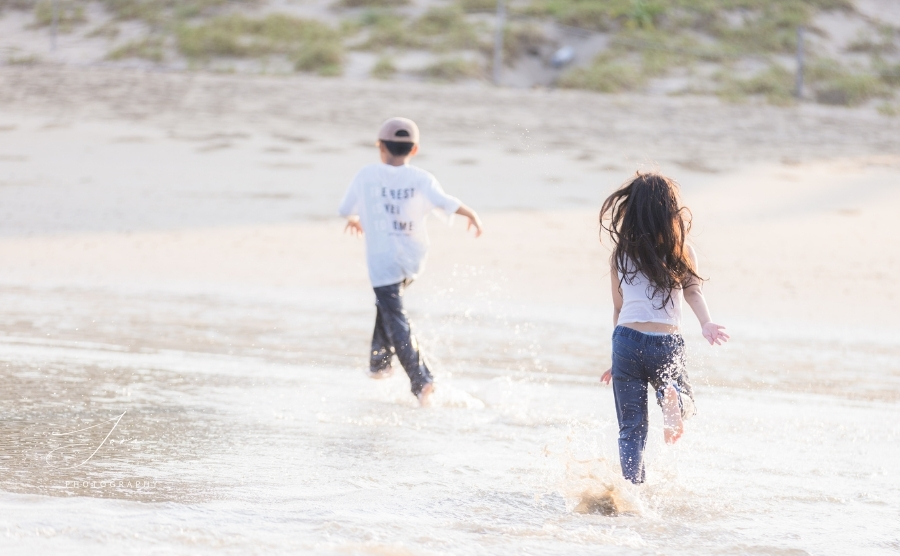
(171, 360)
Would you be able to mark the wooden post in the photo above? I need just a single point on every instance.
(798, 89)
(55, 9)
(498, 40)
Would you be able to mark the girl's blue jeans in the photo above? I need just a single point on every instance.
(640, 359)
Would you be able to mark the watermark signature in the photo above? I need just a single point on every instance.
(115, 423)
(117, 484)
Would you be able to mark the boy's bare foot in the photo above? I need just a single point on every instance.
(673, 424)
(425, 395)
(383, 373)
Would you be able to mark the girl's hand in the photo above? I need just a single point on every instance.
(353, 227)
(714, 333)
(607, 376)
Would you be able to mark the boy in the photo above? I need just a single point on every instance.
(390, 201)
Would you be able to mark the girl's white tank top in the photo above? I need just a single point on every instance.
(638, 306)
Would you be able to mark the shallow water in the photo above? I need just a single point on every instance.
(217, 432)
(201, 391)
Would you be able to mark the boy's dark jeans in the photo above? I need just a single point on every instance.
(393, 336)
(639, 359)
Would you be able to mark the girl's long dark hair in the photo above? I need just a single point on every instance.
(648, 229)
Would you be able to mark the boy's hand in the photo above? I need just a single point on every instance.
(474, 221)
(607, 376)
(353, 227)
(714, 333)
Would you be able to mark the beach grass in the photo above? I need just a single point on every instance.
(775, 83)
(16, 59)
(606, 74)
(453, 69)
(165, 12)
(521, 39)
(384, 68)
(312, 45)
(888, 72)
(439, 29)
(477, 6)
(108, 30)
(648, 40)
(386, 29)
(880, 43)
(836, 84)
(68, 15)
(446, 28)
(889, 109)
(147, 48)
(322, 57)
(370, 3)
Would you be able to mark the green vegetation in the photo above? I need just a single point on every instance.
(453, 69)
(68, 15)
(384, 68)
(836, 84)
(889, 109)
(648, 39)
(765, 25)
(651, 37)
(386, 29)
(585, 14)
(22, 60)
(606, 74)
(443, 29)
(370, 3)
(775, 83)
(438, 29)
(881, 43)
(311, 45)
(148, 48)
(325, 58)
(520, 39)
(635, 56)
(162, 12)
(830, 82)
(108, 30)
(888, 73)
(850, 89)
(477, 6)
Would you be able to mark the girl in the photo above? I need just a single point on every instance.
(651, 270)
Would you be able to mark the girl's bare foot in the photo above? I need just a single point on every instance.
(425, 395)
(673, 424)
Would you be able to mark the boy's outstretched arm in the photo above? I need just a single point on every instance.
(693, 295)
(353, 226)
(473, 219)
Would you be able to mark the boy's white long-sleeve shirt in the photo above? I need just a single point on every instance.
(392, 203)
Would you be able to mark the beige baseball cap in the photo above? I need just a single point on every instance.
(399, 130)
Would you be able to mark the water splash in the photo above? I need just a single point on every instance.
(593, 486)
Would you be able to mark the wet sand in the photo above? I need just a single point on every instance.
(168, 250)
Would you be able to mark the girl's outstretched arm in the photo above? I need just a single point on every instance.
(617, 308)
(693, 295)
